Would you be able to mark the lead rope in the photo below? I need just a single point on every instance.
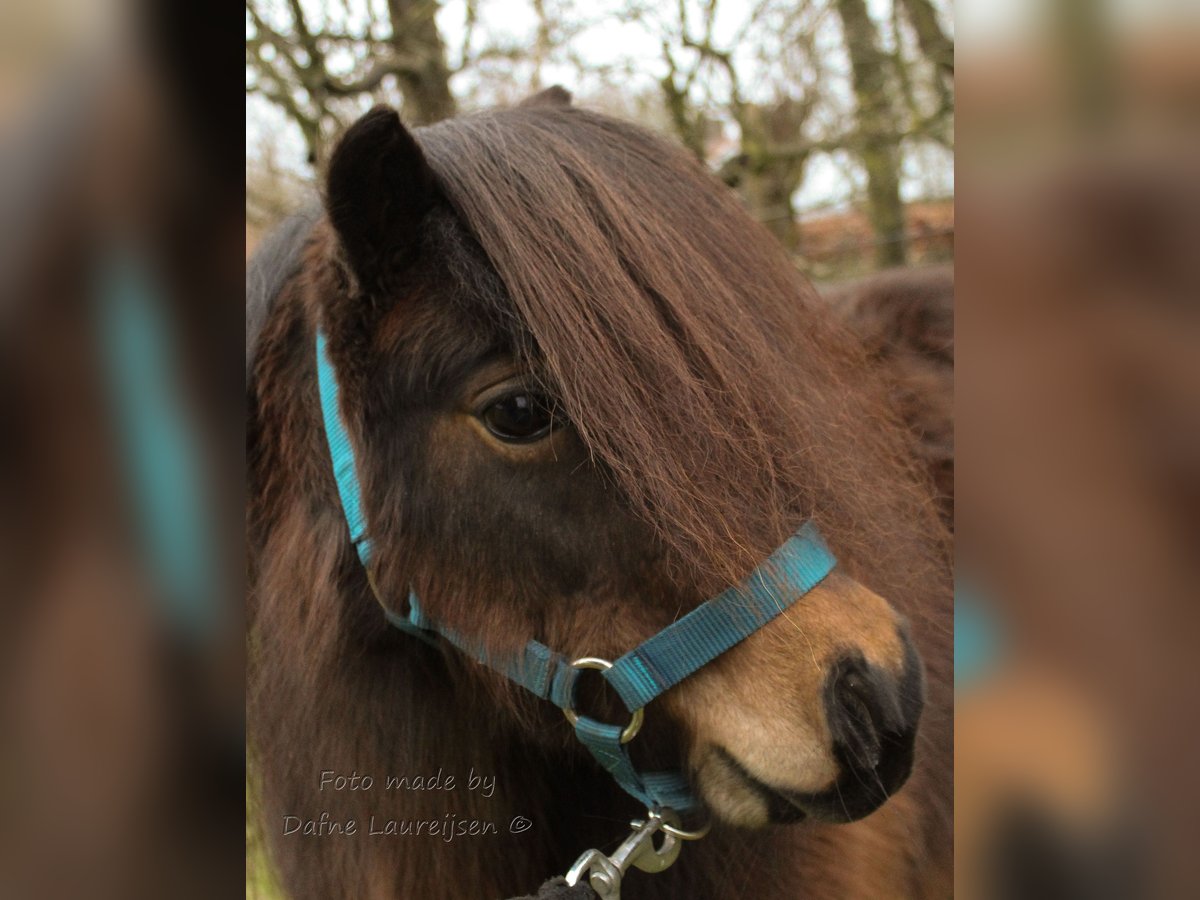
(638, 851)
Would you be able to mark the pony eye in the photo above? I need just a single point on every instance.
(520, 417)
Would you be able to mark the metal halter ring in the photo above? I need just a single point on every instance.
(639, 714)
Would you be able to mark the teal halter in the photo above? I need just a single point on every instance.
(640, 675)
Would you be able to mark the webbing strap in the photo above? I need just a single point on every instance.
(536, 668)
(341, 452)
(655, 789)
(661, 662)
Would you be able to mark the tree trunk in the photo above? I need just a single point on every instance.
(878, 132)
(767, 193)
(426, 85)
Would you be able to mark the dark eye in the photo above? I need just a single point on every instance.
(521, 417)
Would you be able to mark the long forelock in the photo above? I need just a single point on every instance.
(694, 361)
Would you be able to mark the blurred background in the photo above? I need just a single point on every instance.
(833, 119)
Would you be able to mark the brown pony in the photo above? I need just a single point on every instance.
(586, 393)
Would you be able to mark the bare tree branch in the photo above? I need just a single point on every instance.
(725, 60)
(400, 40)
(372, 79)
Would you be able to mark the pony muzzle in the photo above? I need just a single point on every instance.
(813, 717)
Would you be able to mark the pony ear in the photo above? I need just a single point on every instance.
(378, 190)
(551, 96)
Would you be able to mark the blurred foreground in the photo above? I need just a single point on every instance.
(1078, 438)
(120, 515)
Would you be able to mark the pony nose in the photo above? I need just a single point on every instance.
(872, 715)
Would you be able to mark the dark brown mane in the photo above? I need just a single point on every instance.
(695, 361)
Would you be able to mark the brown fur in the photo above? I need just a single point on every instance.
(714, 405)
(905, 318)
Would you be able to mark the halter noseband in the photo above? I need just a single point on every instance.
(639, 676)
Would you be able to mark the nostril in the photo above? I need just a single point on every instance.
(872, 716)
(857, 722)
(862, 706)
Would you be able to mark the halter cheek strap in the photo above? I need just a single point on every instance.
(638, 677)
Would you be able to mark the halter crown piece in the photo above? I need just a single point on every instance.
(646, 671)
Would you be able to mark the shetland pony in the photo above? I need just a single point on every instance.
(586, 392)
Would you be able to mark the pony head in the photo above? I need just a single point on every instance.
(587, 393)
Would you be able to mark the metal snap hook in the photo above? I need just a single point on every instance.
(639, 714)
(638, 851)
